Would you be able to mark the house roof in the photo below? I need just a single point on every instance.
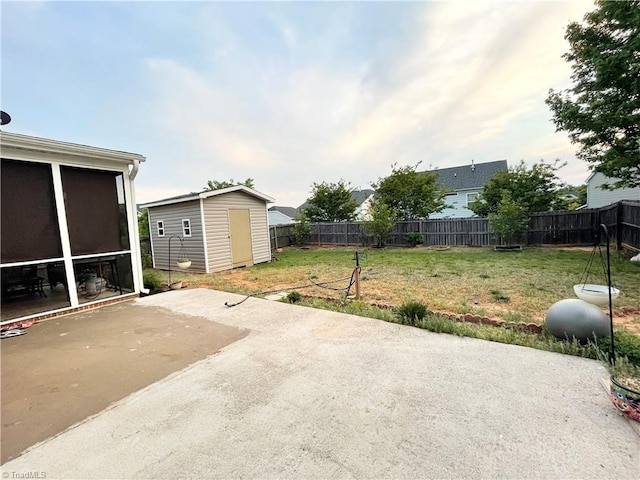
(474, 175)
(290, 212)
(358, 195)
(208, 193)
(361, 195)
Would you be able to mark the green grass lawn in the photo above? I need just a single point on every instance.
(514, 286)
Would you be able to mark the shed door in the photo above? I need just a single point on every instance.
(240, 230)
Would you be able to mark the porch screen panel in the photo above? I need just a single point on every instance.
(29, 223)
(91, 202)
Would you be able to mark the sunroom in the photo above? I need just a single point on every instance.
(69, 235)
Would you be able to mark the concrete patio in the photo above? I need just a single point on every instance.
(315, 394)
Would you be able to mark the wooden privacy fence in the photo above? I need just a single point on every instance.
(576, 227)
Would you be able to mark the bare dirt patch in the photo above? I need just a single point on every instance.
(69, 368)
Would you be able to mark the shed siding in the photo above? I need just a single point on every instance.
(216, 219)
(597, 197)
(261, 243)
(172, 216)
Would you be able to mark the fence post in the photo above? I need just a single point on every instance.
(619, 225)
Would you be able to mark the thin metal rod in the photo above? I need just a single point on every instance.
(612, 353)
(181, 243)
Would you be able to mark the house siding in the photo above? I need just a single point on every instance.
(279, 218)
(597, 197)
(216, 218)
(458, 205)
(172, 216)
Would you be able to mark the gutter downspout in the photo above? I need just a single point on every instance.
(132, 176)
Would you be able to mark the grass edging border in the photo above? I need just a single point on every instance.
(457, 317)
(495, 330)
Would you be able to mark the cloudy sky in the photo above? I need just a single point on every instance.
(290, 93)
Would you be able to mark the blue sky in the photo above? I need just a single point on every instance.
(290, 93)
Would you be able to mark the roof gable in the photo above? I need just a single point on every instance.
(209, 193)
(475, 175)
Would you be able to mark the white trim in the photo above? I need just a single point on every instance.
(64, 235)
(32, 262)
(158, 222)
(184, 232)
(37, 144)
(135, 258)
(95, 255)
(153, 257)
(204, 237)
(210, 193)
(471, 193)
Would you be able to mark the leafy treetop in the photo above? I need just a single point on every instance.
(331, 202)
(536, 189)
(411, 194)
(216, 185)
(601, 112)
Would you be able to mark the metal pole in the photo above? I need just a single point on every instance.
(170, 260)
(357, 277)
(612, 354)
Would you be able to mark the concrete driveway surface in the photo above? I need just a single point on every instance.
(316, 394)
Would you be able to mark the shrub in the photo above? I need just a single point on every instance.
(152, 280)
(413, 238)
(301, 230)
(412, 312)
(380, 221)
(147, 260)
(293, 297)
(626, 344)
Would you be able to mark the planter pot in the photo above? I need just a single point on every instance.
(176, 285)
(184, 264)
(595, 294)
(625, 399)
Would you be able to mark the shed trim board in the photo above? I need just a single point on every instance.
(27, 150)
(204, 238)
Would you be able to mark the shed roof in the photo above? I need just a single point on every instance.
(475, 175)
(209, 193)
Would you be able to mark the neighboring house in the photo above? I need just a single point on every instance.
(220, 229)
(597, 197)
(363, 200)
(69, 230)
(465, 184)
(282, 215)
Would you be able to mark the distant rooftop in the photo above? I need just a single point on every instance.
(474, 175)
(290, 212)
(358, 195)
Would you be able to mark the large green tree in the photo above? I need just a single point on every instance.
(601, 112)
(217, 185)
(411, 194)
(331, 202)
(536, 189)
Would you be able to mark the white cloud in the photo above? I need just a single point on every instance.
(468, 87)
